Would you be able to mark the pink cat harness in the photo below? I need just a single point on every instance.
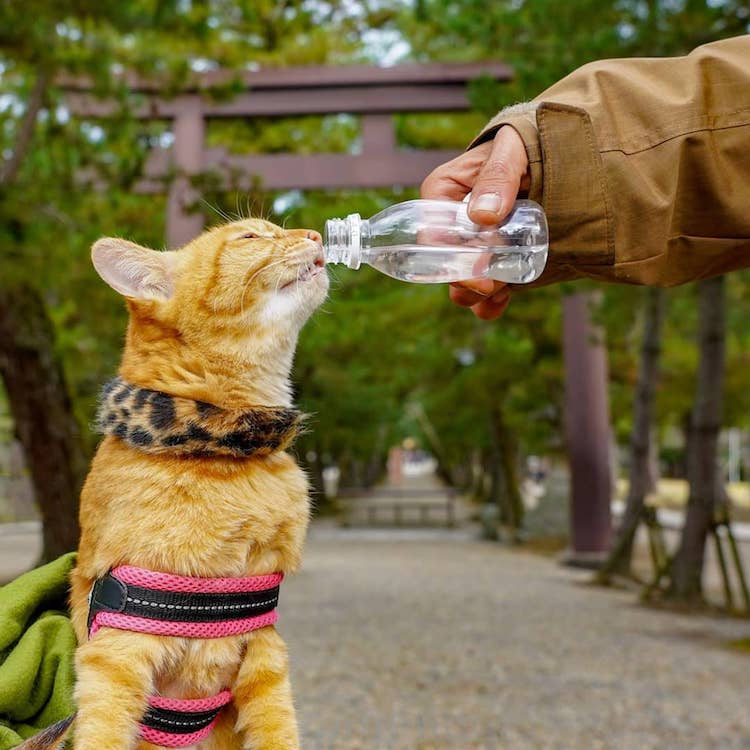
(144, 601)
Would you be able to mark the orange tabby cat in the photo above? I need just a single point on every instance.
(215, 324)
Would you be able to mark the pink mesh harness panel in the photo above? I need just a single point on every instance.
(145, 601)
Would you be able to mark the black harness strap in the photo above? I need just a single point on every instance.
(110, 594)
(178, 722)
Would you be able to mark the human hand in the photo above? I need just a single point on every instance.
(493, 173)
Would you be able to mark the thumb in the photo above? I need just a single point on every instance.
(496, 187)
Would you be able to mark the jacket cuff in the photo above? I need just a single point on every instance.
(568, 180)
(574, 194)
(521, 117)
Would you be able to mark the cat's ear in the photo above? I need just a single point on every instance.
(134, 271)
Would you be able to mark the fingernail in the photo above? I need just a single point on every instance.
(489, 202)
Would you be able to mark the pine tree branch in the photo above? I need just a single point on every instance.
(10, 169)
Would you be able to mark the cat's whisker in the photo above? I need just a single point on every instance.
(297, 289)
(250, 207)
(250, 280)
(334, 280)
(216, 209)
(278, 284)
(262, 212)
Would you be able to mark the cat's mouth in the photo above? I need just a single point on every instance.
(308, 271)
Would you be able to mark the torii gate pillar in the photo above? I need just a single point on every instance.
(587, 423)
(184, 222)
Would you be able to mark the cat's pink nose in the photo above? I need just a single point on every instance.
(314, 236)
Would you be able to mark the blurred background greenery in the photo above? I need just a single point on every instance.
(382, 361)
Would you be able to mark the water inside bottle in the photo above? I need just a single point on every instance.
(438, 264)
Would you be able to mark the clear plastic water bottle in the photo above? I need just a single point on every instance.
(433, 241)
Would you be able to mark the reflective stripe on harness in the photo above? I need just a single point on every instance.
(131, 598)
(169, 722)
(144, 601)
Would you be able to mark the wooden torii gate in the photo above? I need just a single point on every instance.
(375, 94)
(371, 92)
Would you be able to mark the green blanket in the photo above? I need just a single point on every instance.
(36, 652)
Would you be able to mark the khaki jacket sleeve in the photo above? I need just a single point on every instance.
(643, 166)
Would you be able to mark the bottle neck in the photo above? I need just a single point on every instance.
(347, 241)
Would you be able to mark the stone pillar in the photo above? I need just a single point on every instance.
(187, 159)
(588, 434)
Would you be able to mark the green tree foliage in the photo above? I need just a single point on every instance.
(66, 180)
(379, 349)
(543, 41)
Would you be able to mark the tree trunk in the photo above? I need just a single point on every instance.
(434, 443)
(42, 413)
(640, 474)
(314, 470)
(474, 486)
(481, 491)
(506, 488)
(378, 456)
(703, 471)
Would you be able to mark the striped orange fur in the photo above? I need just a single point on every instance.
(216, 321)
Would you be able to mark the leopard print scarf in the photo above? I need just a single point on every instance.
(157, 422)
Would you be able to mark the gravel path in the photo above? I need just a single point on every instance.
(430, 641)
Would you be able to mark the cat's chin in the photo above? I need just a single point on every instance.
(309, 287)
(307, 273)
(298, 299)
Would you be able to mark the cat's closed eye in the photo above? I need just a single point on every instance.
(251, 236)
